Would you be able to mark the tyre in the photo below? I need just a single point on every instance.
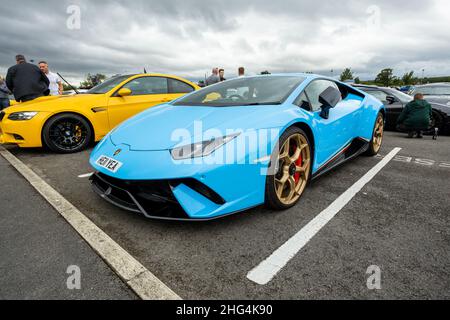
(293, 165)
(438, 122)
(377, 137)
(66, 133)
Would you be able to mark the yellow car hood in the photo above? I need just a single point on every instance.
(52, 103)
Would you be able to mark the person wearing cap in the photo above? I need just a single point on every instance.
(26, 81)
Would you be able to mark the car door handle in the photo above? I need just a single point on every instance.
(98, 109)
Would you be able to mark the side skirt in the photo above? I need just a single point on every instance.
(350, 151)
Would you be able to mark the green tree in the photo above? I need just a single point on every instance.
(347, 74)
(66, 87)
(357, 80)
(386, 77)
(92, 80)
(409, 79)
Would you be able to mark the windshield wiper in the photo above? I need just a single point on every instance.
(262, 103)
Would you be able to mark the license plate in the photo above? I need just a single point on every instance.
(109, 164)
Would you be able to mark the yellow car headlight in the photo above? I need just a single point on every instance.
(22, 116)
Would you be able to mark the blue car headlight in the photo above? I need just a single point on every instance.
(201, 149)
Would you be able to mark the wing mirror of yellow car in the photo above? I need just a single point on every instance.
(124, 92)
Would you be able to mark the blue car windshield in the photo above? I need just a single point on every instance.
(247, 91)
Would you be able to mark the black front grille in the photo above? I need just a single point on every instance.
(154, 199)
(2, 115)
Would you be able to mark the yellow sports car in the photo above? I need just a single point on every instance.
(67, 124)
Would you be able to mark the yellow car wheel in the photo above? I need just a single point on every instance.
(67, 133)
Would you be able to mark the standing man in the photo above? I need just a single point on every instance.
(213, 78)
(26, 81)
(241, 72)
(222, 75)
(416, 117)
(56, 86)
(4, 95)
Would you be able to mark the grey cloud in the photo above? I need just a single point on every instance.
(189, 37)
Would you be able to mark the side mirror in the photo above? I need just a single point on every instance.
(391, 99)
(124, 92)
(329, 98)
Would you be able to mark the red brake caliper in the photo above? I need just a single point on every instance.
(298, 163)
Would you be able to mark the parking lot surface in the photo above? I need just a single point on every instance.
(38, 249)
(399, 221)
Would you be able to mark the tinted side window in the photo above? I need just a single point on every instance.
(147, 85)
(314, 90)
(176, 86)
(303, 102)
(380, 95)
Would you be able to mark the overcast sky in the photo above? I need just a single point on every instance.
(188, 37)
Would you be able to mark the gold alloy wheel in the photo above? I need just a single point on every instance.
(294, 168)
(378, 134)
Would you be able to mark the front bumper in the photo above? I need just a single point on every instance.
(153, 184)
(153, 199)
(26, 134)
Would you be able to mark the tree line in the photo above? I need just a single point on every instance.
(384, 78)
(387, 78)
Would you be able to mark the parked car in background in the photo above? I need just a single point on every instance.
(435, 92)
(407, 89)
(67, 124)
(395, 101)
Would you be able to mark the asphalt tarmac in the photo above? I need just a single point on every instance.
(40, 253)
(399, 222)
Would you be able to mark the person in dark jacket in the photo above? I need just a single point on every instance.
(416, 117)
(26, 81)
(4, 94)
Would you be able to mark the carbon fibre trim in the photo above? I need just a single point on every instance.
(350, 151)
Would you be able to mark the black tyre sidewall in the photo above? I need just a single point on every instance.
(371, 152)
(47, 142)
(438, 121)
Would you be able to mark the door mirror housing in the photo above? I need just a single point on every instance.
(124, 92)
(329, 98)
(391, 99)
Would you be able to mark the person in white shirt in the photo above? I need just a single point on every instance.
(56, 86)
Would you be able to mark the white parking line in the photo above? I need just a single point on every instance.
(86, 175)
(270, 267)
(132, 272)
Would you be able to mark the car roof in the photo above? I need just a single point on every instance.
(307, 76)
(437, 84)
(367, 86)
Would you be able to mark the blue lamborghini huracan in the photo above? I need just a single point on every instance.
(235, 145)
